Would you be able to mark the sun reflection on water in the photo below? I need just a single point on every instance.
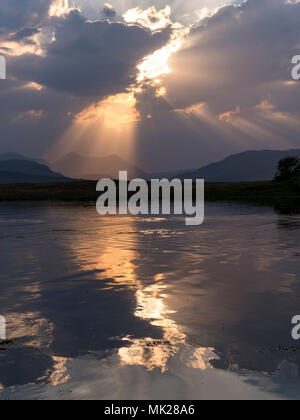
(120, 261)
(150, 352)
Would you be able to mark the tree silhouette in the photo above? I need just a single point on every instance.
(288, 168)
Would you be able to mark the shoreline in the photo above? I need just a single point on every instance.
(279, 195)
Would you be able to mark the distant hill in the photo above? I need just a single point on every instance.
(27, 171)
(12, 156)
(17, 156)
(93, 168)
(246, 166)
(169, 174)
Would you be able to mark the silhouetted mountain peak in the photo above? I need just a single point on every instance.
(17, 156)
(17, 170)
(253, 165)
(12, 156)
(78, 166)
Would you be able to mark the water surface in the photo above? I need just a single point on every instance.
(147, 308)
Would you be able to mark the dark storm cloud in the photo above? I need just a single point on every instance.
(87, 61)
(32, 120)
(239, 55)
(167, 141)
(23, 34)
(17, 14)
(239, 64)
(108, 12)
(90, 58)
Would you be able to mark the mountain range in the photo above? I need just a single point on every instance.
(94, 168)
(17, 156)
(242, 167)
(18, 170)
(246, 166)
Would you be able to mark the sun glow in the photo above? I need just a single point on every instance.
(115, 118)
(156, 64)
(35, 86)
(13, 48)
(60, 8)
(115, 112)
(150, 18)
(106, 125)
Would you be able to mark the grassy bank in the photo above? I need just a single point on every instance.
(62, 191)
(284, 197)
(279, 195)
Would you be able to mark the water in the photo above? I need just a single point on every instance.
(147, 308)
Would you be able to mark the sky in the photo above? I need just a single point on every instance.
(164, 84)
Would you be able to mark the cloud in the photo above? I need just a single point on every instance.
(237, 66)
(17, 14)
(229, 87)
(149, 18)
(229, 115)
(87, 58)
(182, 11)
(239, 55)
(60, 8)
(24, 34)
(81, 62)
(108, 12)
(32, 118)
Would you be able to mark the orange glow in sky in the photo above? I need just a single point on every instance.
(115, 112)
